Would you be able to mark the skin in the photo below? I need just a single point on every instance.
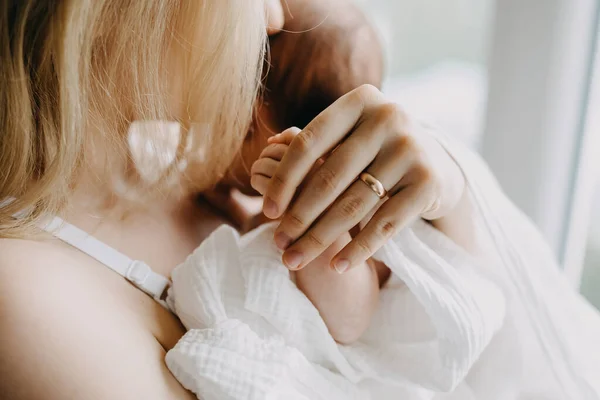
(336, 52)
(346, 302)
(369, 134)
(73, 329)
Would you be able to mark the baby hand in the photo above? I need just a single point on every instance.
(264, 168)
(345, 302)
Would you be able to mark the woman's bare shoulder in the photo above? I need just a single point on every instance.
(64, 337)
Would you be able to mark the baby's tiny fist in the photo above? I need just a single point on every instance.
(264, 168)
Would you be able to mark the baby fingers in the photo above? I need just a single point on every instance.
(285, 137)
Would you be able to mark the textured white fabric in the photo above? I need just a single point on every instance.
(447, 328)
(549, 347)
(253, 334)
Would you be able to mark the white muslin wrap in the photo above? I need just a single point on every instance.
(254, 335)
(447, 327)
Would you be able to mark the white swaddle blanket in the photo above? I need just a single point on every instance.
(447, 327)
(253, 334)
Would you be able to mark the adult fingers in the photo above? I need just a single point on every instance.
(321, 135)
(378, 137)
(394, 215)
(389, 168)
(327, 182)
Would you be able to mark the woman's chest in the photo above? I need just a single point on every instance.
(164, 255)
(160, 242)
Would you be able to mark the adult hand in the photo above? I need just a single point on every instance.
(363, 132)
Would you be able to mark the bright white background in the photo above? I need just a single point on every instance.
(517, 81)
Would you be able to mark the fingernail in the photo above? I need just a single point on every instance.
(269, 208)
(341, 266)
(292, 259)
(282, 240)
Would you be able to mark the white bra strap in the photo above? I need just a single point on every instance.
(136, 272)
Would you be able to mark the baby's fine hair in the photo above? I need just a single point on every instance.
(326, 50)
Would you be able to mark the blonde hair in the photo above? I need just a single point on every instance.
(74, 66)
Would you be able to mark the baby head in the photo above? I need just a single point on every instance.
(326, 50)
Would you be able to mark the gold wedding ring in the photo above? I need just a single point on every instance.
(374, 184)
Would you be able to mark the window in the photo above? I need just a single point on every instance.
(436, 53)
(590, 280)
(515, 80)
